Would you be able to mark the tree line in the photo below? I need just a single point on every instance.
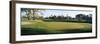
(78, 18)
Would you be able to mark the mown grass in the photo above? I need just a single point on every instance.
(40, 27)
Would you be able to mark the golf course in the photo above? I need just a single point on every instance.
(35, 27)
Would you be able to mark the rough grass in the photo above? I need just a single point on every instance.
(40, 27)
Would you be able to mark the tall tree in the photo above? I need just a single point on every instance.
(32, 12)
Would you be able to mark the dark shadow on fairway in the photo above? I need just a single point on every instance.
(38, 31)
(31, 31)
(77, 30)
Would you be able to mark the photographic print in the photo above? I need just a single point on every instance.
(35, 21)
(41, 21)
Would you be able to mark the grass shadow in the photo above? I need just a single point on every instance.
(38, 31)
(32, 31)
(77, 30)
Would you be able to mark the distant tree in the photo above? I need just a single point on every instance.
(80, 17)
(83, 17)
(90, 15)
(89, 18)
(68, 17)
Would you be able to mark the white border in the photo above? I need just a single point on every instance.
(40, 37)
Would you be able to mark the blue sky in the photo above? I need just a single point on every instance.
(56, 12)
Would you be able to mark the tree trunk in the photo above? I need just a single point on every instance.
(30, 15)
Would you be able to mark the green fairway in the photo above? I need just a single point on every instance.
(41, 27)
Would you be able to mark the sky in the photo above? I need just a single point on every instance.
(58, 12)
